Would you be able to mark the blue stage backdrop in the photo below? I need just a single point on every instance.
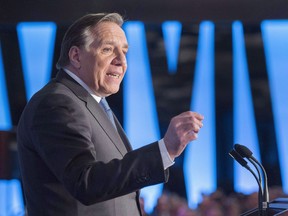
(235, 75)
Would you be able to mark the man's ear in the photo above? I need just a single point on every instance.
(74, 57)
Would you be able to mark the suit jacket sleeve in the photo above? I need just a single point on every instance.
(61, 134)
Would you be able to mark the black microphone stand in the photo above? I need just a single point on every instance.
(245, 152)
(235, 155)
(278, 206)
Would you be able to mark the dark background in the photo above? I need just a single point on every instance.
(64, 11)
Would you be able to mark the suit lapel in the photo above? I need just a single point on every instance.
(123, 135)
(95, 109)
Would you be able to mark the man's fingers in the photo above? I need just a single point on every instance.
(182, 129)
(188, 126)
(192, 114)
(190, 136)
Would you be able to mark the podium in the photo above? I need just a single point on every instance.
(277, 207)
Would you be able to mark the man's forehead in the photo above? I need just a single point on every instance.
(109, 28)
(110, 33)
(112, 42)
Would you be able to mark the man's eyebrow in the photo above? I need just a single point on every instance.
(113, 43)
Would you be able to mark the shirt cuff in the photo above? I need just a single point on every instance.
(167, 161)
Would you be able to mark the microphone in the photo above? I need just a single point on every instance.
(239, 158)
(246, 152)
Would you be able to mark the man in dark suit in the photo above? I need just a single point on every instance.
(75, 159)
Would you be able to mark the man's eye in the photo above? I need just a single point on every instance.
(107, 49)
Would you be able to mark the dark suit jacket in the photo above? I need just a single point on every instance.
(73, 161)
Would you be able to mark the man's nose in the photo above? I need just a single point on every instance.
(120, 59)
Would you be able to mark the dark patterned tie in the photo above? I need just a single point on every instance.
(108, 111)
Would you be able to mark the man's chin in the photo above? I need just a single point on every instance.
(111, 92)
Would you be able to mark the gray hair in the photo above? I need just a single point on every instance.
(78, 33)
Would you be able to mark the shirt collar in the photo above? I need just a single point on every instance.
(83, 84)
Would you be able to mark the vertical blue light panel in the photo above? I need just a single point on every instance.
(172, 35)
(140, 116)
(245, 132)
(200, 162)
(36, 40)
(275, 38)
(11, 198)
(3, 200)
(5, 118)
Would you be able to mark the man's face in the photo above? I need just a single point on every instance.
(103, 60)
